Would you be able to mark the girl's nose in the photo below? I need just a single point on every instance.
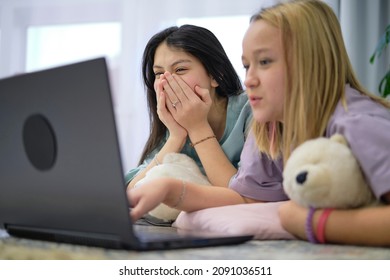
(251, 80)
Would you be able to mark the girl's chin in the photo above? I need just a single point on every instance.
(259, 117)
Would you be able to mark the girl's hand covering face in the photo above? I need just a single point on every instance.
(186, 86)
(174, 128)
(189, 107)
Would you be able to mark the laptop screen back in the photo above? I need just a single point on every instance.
(60, 166)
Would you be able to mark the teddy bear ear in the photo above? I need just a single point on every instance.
(339, 138)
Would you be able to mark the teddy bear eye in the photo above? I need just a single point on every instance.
(301, 177)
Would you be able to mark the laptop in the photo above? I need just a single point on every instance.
(61, 176)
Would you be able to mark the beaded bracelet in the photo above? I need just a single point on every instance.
(321, 224)
(309, 226)
(202, 140)
(181, 197)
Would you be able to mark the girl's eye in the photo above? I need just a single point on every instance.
(246, 67)
(265, 62)
(158, 74)
(180, 70)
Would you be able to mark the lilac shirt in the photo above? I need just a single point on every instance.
(365, 125)
(258, 177)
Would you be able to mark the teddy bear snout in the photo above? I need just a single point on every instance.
(301, 177)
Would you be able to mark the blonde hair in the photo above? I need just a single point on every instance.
(318, 69)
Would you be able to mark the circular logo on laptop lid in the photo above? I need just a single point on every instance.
(39, 142)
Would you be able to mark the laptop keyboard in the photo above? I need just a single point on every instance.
(146, 232)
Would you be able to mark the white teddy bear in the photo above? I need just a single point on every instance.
(323, 173)
(174, 165)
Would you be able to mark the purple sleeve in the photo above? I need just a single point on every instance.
(258, 177)
(366, 126)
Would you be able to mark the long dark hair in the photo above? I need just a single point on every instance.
(200, 43)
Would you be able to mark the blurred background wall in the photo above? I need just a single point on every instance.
(37, 34)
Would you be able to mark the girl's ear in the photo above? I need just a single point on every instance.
(214, 83)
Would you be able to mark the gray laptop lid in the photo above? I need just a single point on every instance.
(60, 170)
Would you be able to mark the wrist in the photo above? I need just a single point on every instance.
(322, 221)
(174, 194)
(175, 143)
(309, 229)
(200, 133)
(315, 225)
